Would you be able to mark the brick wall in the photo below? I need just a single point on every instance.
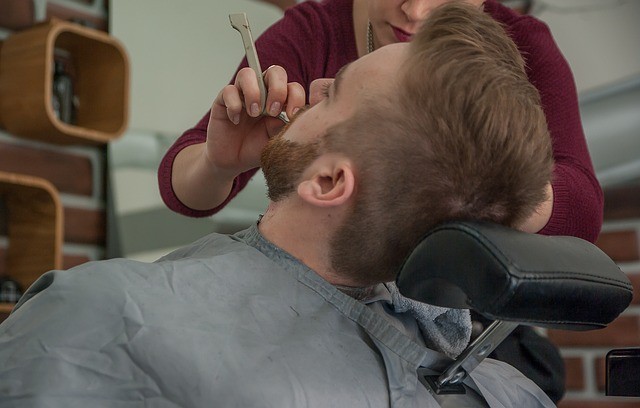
(584, 352)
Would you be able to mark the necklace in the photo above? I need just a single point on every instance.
(369, 38)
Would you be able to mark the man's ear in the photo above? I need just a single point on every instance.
(328, 182)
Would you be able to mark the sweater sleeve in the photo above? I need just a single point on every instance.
(578, 198)
(195, 135)
(192, 136)
(287, 43)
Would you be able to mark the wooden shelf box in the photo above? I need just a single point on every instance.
(34, 227)
(101, 84)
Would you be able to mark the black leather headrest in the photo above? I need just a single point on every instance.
(504, 274)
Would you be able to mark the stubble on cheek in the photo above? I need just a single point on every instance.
(283, 161)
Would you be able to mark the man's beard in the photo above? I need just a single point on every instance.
(367, 248)
(362, 248)
(283, 161)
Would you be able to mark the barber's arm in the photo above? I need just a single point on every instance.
(577, 200)
(203, 174)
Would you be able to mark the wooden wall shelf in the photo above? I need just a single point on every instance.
(34, 227)
(6, 308)
(101, 84)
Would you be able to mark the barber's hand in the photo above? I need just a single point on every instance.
(238, 131)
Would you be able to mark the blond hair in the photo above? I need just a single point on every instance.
(464, 139)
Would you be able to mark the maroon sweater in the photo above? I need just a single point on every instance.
(314, 40)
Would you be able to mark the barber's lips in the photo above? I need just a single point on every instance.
(402, 35)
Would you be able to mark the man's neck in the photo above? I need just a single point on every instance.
(305, 234)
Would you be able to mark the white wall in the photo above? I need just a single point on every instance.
(181, 53)
(601, 41)
(599, 38)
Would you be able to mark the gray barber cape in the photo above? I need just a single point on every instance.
(229, 321)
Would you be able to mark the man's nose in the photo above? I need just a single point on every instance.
(417, 10)
(317, 90)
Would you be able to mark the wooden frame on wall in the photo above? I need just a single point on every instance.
(34, 227)
(101, 84)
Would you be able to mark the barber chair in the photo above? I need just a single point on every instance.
(513, 278)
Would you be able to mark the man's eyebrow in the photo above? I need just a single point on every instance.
(338, 79)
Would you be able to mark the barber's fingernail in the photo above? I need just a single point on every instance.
(236, 119)
(295, 110)
(275, 109)
(255, 110)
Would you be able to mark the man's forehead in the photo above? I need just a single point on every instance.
(375, 72)
(339, 78)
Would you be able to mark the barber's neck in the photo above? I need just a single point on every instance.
(304, 232)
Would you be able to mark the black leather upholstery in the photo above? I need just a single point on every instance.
(504, 274)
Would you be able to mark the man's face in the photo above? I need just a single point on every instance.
(334, 101)
(288, 154)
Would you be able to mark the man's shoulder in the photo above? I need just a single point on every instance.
(196, 268)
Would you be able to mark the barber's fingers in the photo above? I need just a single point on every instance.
(247, 85)
(282, 95)
(245, 94)
(230, 99)
(275, 80)
(296, 98)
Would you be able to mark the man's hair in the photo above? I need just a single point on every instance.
(464, 139)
